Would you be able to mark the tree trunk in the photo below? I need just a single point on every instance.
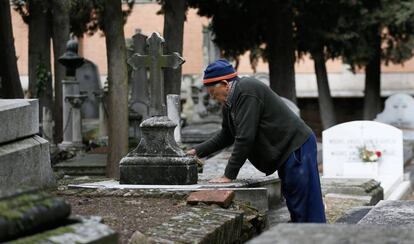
(326, 107)
(40, 80)
(372, 100)
(174, 17)
(60, 36)
(281, 53)
(118, 85)
(10, 86)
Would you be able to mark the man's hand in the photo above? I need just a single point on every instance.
(222, 179)
(192, 152)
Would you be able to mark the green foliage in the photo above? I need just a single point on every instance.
(322, 25)
(390, 20)
(43, 75)
(86, 16)
(238, 25)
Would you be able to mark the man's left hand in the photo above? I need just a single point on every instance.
(222, 179)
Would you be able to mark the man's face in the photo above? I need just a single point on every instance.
(219, 91)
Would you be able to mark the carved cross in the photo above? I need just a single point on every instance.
(156, 61)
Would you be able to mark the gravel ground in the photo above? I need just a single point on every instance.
(127, 214)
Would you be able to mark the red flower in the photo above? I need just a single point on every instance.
(378, 153)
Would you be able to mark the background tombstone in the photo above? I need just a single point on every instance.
(139, 102)
(341, 155)
(292, 106)
(263, 77)
(399, 112)
(89, 82)
(211, 52)
(206, 117)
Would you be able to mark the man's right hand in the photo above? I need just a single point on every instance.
(192, 152)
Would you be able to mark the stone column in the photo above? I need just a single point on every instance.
(101, 95)
(173, 113)
(76, 103)
(69, 87)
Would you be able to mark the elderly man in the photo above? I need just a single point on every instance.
(265, 131)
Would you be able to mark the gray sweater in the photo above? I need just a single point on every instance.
(262, 128)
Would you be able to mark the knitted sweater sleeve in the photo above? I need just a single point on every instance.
(247, 117)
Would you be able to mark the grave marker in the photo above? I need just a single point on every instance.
(342, 145)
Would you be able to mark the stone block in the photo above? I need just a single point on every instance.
(395, 213)
(354, 215)
(359, 187)
(200, 225)
(338, 204)
(257, 197)
(25, 163)
(19, 118)
(220, 197)
(335, 233)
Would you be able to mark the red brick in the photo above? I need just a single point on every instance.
(220, 197)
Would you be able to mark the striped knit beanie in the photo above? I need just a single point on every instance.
(217, 71)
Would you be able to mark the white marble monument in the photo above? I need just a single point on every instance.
(364, 149)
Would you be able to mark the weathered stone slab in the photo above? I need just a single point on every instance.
(200, 225)
(86, 164)
(25, 212)
(360, 187)
(19, 118)
(354, 215)
(335, 233)
(82, 233)
(220, 197)
(25, 163)
(338, 204)
(395, 213)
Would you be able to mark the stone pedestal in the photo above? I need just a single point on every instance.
(69, 87)
(158, 159)
(76, 102)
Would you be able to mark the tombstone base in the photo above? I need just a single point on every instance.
(71, 146)
(158, 170)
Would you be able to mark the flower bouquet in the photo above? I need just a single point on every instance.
(369, 156)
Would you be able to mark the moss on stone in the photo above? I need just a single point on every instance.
(41, 237)
(15, 207)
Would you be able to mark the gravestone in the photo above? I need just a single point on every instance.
(89, 82)
(291, 105)
(211, 51)
(157, 159)
(344, 143)
(139, 102)
(398, 112)
(24, 156)
(206, 117)
(263, 77)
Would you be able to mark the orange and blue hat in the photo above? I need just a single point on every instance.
(217, 71)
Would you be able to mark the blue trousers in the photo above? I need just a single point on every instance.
(301, 186)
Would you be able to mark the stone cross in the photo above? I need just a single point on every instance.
(156, 61)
